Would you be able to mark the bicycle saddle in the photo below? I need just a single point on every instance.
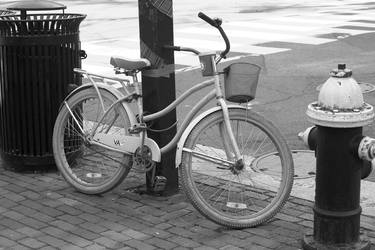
(129, 64)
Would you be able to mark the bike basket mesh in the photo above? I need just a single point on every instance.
(240, 82)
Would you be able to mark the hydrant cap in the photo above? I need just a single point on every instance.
(341, 91)
(340, 102)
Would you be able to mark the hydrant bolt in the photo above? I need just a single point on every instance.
(366, 149)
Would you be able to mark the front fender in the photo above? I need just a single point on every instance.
(192, 125)
(111, 89)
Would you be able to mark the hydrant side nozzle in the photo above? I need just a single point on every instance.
(308, 137)
(366, 148)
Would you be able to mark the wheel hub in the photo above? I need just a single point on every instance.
(237, 167)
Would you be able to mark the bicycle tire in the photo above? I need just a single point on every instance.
(258, 201)
(88, 168)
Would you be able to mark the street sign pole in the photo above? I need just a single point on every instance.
(158, 84)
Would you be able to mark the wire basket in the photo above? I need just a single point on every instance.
(240, 82)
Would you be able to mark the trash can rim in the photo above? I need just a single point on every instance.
(66, 16)
(36, 5)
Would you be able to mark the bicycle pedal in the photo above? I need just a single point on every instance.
(159, 183)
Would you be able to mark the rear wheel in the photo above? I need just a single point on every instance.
(89, 168)
(230, 193)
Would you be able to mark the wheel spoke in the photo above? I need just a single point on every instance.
(230, 193)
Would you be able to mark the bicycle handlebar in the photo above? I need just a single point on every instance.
(216, 22)
(208, 19)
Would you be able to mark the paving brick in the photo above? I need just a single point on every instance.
(151, 210)
(133, 224)
(77, 240)
(161, 243)
(181, 231)
(15, 188)
(30, 222)
(49, 248)
(30, 195)
(52, 212)
(182, 241)
(13, 215)
(32, 204)
(24, 210)
(85, 233)
(307, 216)
(264, 242)
(6, 203)
(32, 243)
(155, 232)
(15, 197)
(90, 217)
(175, 214)
(163, 226)
(235, 241)
(20, 247)
(12, 224)
(88, 209)
(288, 218)
(96, 228)
(95, 247)
(70, 247)
(204, 248)
(306, 223)
(258, 231)
(109, 243)
(139, 245)
(239, 234)
(287, 225)
(71, 219)
(70, 210)
(152, 219)
(135, 234)
(62, 225)
(229, 247)
(257, 247)
(55, 232)
(11, 234)
(30, 232)
(53, 241)
(4, 242)
(116, 236)
(112, 226)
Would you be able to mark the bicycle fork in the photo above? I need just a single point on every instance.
(226, 131)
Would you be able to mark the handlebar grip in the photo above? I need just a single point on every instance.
(207, 19)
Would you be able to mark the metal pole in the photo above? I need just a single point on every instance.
(158, 84)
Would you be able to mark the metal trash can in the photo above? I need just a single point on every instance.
(37, 55)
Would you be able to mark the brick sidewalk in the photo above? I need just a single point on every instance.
(41, 211)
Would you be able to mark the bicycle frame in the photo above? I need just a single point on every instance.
(216, 92)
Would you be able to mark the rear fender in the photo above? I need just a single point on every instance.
(111, 89)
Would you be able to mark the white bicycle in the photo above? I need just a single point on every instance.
(235, 166)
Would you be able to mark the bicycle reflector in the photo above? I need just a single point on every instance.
(207, 63)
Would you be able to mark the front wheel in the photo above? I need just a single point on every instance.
(232, 194)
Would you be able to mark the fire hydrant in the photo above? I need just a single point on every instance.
(342, 153)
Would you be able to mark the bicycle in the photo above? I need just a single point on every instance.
(235, 166)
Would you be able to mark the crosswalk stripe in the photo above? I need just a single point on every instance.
(247, 33)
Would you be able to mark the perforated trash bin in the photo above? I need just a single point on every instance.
(37, 55)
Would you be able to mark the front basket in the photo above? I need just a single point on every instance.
(240, 82)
